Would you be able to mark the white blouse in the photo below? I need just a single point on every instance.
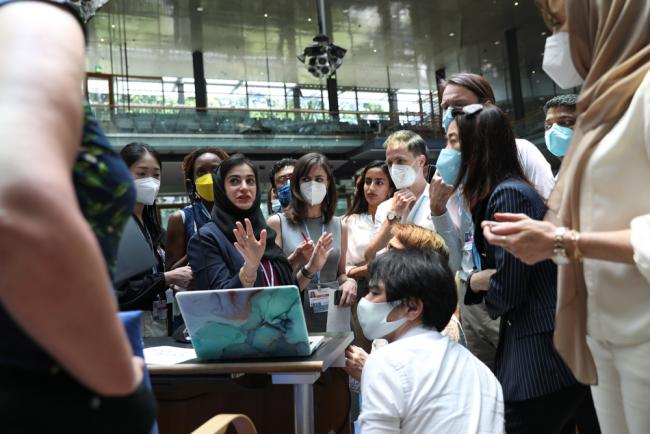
(361, 230)
(614, 196)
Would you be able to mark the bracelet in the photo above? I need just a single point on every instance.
(305, 272)
(575, 239)
(246, 280)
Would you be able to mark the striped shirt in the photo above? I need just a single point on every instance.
(524, 297)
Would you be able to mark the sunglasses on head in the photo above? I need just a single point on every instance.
(469, 110)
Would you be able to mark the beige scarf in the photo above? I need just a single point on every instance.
(610, 47)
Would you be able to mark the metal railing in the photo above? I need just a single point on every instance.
(154, 119)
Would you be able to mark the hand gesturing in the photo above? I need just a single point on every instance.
(246, 244)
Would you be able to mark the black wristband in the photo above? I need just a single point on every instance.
(305, 272)
(468, 281)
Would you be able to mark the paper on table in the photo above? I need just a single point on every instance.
(168, 355)
(338, 318)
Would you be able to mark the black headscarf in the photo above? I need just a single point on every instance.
(225, 214)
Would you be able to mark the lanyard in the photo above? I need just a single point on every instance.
(203, 210)
(148, 239)
(322, 231)
(270, 281)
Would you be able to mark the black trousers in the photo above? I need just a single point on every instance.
(38, 402)
(555, 413)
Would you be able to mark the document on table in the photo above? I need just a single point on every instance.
(168, 355)
(338, 318)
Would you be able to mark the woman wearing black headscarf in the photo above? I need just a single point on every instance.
(236, 249)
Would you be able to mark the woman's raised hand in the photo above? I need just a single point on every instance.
(247, 245)
(321, 252)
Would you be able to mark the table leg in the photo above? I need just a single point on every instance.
(303, 407)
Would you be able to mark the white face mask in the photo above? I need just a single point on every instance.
(147, 190)
(403, 175)
(558, 63)
(313, 192)
(373, 319)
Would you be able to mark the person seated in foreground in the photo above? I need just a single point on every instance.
(421, 382)
(406, 236)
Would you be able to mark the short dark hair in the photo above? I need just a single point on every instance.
(359, 202)
(296, 212)
(488, 153)
(279, 165)
(417, 275)
(190, 159)
(569, 100)
(475, 83)
(415, 144)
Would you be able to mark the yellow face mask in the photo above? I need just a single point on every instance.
(204, 187)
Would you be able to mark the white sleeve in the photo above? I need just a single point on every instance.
(382, 397)
(536, 168)
(380, 215)
(640, 239)
(640, 226)
(446, 228)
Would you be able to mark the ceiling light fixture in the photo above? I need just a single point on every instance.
(497, 42)
(322, 58)
(266, 15)
(374, 50)
(516, 3)
(199, 9)
(101, 40)
(543, 33)
(309, 20)
(452, 34)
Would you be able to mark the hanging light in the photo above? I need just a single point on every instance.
(322, 58)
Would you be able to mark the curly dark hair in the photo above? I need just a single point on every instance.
(190, 159)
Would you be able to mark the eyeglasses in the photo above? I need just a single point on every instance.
(469, 110)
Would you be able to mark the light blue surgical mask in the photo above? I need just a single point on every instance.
(447, 118)
(448, 165)
(557, 139)
(276, 206)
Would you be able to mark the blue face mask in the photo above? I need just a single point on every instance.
(447, 117)
(284, 194)
(448, 165)
(276, 207)
(557, 139)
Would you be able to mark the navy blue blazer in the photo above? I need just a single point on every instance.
(215, 261)
(524, 297)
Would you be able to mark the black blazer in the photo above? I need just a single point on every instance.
(524, 296)
(215, 261)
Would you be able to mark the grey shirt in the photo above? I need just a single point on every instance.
(313, 229)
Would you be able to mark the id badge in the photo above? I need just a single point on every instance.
(319, 300)
(469, 241)
(159, 311)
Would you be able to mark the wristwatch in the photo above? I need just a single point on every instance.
(391, 216)
(559, 255)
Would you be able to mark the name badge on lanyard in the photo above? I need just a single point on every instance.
(319, 300)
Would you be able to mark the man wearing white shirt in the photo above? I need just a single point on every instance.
(421, 382)
(406, 156)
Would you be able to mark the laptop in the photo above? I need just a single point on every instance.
(247, 323)
(134, 255)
